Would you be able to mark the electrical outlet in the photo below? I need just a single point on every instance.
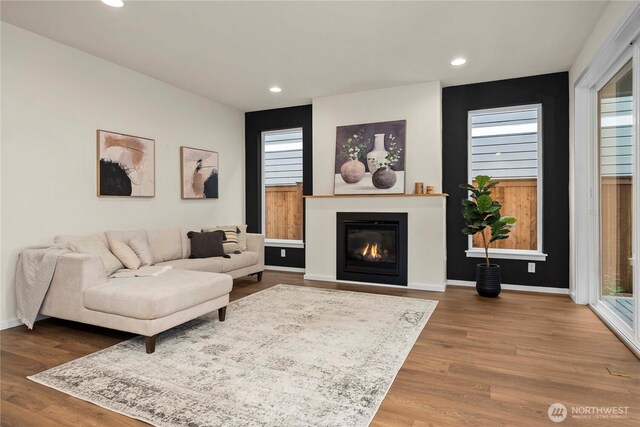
(531, 268)
(283, 253)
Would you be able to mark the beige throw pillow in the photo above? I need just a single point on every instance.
(93, 246)
(125, 254)
(242, 237)
(141, 248)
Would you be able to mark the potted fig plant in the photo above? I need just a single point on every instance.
(482, 215)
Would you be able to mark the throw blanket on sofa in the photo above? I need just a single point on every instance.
(33, 276)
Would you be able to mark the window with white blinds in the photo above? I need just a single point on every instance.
(616, 136)
(282, 157)
(505, 142)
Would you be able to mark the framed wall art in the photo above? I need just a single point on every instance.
(126, 165)
(370, 158)
(199, 172)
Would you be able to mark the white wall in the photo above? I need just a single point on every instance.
(419, 105)
(53, 100)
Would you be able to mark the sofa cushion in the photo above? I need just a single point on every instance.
(166, 245)
(212, 265)
(206, 245)
(237, 261)
(142, 249)
(150, 298)
(125, 254)
(95, 246)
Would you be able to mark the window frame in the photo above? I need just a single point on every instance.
(280, 243)
(516, 254)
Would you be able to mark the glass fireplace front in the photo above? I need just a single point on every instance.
(371, 247)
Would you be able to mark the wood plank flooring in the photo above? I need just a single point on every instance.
(478, 362)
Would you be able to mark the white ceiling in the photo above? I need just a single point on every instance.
(232, 52)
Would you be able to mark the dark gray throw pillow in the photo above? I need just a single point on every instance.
(206, 244)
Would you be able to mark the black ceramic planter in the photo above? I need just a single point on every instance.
(488, 280)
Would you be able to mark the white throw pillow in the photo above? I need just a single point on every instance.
(93, 246)
(125, 254)
(141, 248)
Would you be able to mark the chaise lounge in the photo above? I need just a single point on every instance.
(81, 291)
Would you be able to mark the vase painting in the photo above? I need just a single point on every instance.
(370, 158)
(378, 154)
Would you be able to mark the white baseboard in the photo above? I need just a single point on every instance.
(416, 286)
(10, 324)
(17, 322)
(288, 269)
(524, 288)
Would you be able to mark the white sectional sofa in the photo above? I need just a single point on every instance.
(81, 291)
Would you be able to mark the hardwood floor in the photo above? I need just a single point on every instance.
(478, 362)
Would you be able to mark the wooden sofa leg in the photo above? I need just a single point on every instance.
(222, 312)
(259, 276)
(150, 343)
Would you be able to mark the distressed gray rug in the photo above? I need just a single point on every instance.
(286, 356)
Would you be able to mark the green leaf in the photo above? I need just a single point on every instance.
(509, 219)
(482, 180)
(484, 203)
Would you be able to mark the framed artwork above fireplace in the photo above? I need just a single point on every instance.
(370, 158)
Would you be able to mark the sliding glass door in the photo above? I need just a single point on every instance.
(617, 166)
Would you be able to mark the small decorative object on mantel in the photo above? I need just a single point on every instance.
(126, 165)
(382, 145)
(481, 214)
(199, 173)
(419, 186)
(430, 189)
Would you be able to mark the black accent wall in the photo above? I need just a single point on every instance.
(255, 123)
(552, 91)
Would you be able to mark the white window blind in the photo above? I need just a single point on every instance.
(283, 157)
(504, 144)
(616, 157)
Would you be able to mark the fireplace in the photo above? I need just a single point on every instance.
(372, 247)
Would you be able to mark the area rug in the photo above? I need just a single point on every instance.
(286, 356)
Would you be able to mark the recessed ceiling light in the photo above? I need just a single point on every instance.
(113, 3)
(275, 89)
(458, 62)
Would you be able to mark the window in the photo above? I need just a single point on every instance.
(282, 198)
(506, 144)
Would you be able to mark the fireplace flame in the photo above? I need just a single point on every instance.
(371, 251)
